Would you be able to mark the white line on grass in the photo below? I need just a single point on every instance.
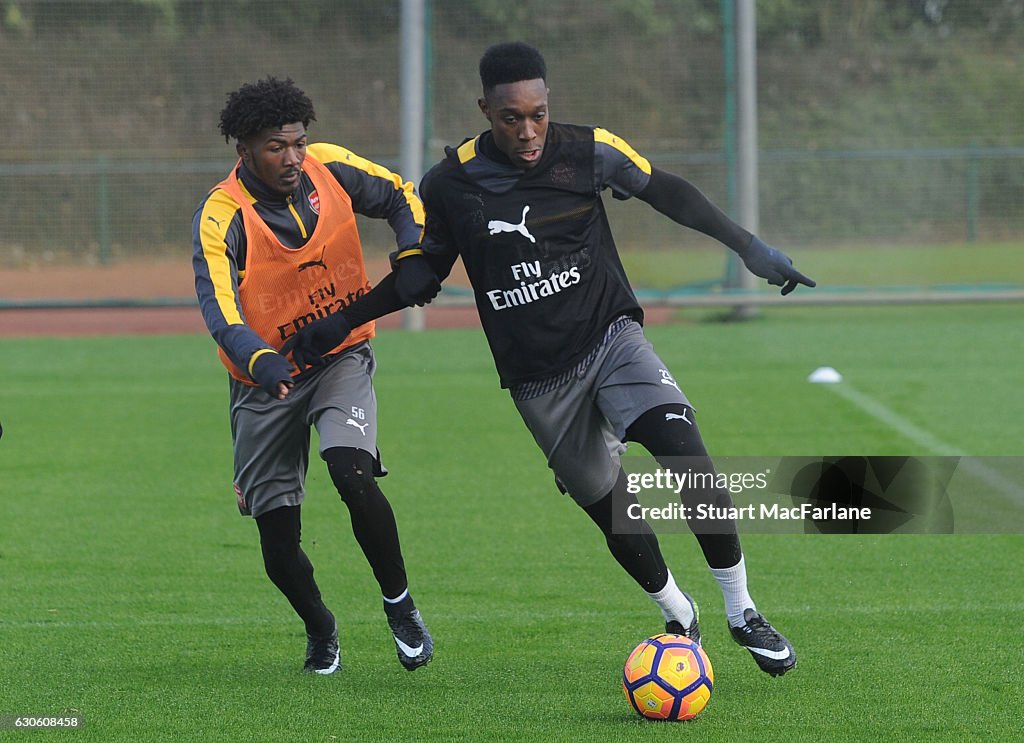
(925, 439)
(901, 425)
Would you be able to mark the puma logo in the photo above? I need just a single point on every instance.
(496, 225)
(675, 417)
(666, 378)
(215, 221)
(318, 262)
(362, 428)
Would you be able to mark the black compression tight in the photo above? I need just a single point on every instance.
(289, 569)
(669, 431)
(373, 521)
(632, 543)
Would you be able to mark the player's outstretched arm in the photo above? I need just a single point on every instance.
(684, 203)
(409, 283)
(308, 346)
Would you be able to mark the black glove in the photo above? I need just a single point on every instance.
(415, 280)
(773, 265)
(309, 345)
(269, 370)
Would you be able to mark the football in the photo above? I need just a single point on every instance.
(668, 677)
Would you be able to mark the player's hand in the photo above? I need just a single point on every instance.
(309, 345)
(773, 265)
(415, 281)
(273, 373)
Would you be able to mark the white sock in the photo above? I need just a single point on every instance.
(733, 582)
(672, 603)
(398, 598)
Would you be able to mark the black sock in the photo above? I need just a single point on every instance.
(290, 570)
(677, 435)
(632, 543)
(373, 521)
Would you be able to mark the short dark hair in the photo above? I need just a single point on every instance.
(511, 62)
(265, 104)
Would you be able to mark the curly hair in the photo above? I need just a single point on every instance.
(510, 62)
(265, 104)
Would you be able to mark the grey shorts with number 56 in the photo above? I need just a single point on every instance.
(271, 437)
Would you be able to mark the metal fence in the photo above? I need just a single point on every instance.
(103, 210)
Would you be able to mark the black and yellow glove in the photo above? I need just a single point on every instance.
(320, 337)
(269, 370)
(773, 265)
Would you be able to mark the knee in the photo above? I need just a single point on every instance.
(352, 473)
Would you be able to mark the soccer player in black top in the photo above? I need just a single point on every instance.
(521, 205)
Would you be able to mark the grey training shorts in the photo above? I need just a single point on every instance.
(580, 425)
(271, 437)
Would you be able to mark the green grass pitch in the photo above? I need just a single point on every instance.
(134, 595)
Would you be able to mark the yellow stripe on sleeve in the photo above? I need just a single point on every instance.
(330, 153)
(216, 218)
(605, 136)
(467, 150)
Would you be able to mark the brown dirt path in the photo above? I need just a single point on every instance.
(173, 281)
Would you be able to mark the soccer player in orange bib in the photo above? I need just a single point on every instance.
(275, 247)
